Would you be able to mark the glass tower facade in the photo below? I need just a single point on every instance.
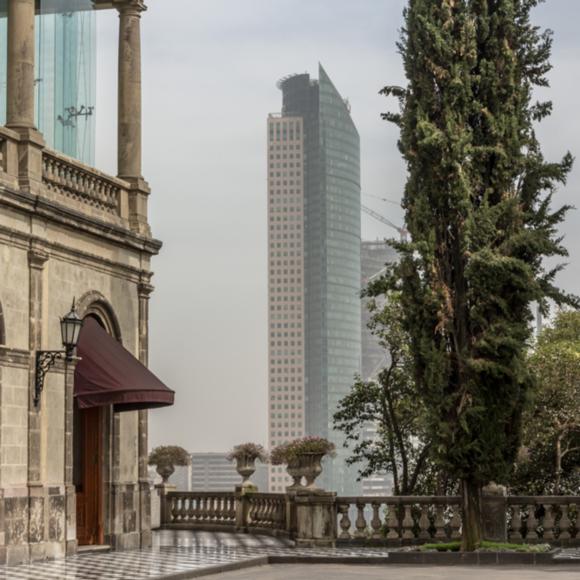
(332, 266)
(65, 75)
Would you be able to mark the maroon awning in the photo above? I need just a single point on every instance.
(108, 374)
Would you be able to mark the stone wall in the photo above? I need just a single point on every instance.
(51, 252)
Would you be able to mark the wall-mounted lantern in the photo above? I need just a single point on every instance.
(70, 329)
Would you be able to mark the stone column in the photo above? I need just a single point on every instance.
(20, 87)
(70, 491)
(129, 112)
(144, 290)
(37, 258)
(20, 93)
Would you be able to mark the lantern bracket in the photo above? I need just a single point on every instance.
(45, 360)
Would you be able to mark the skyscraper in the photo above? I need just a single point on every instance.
(314, 266)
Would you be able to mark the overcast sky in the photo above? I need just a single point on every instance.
(209, 70)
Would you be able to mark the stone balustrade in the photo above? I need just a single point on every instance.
(320, 518)
(266, 511)
(550, 519)
(72, 180)
(195, 509)
(399, 519)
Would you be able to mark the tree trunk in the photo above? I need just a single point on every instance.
(472, 528)
(558, 466)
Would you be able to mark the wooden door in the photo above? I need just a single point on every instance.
(89, 476)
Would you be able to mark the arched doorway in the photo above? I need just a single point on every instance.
(92, 443)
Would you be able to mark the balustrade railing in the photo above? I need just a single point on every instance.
(388, 520)
(399, 519)
(200, 509)
(266, 511)
(543, 519)
(74, 180)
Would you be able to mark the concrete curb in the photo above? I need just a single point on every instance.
(394, 558)
(217, 569)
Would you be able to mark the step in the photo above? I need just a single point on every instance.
(94, 549)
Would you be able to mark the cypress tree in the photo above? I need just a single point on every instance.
(478, 208)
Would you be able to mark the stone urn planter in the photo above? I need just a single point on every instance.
(295, 470)
(311, 468)
(245, 456)
(246, 466)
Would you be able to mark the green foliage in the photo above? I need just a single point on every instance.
(251, 451)
(166, 457)
(478, 209)
(287, 452)
(486, 546)
(393, 405)
(549, 460)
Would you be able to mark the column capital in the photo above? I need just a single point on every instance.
(131, 6)
(145, 289)
(37, 256)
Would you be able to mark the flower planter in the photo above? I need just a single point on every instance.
(246, 466)
(295, 470)
(311, 468)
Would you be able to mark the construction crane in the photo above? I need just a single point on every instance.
(402, 231)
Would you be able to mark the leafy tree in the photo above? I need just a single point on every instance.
(166, 457)
(391, 403)
(550, 457)
(478, 209)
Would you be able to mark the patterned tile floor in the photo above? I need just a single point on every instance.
(174, 553)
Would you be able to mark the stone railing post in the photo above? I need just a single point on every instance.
(163, 489)
(242, 509)
(315, 518)
(494, 511)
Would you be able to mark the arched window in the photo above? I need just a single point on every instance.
(95, 305)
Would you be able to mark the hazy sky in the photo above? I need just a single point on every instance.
(209, 72)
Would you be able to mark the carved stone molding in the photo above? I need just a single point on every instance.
(131, 6)
(37, 256)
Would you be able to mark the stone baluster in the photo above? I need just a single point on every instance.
(440, 533)
(516, 524)
(455, 523)
(532, 524)
(361, 524)
(424, 522)
(393, 521)
(549, 523)
(344, 522)
(408, 524)
(565, 524)
(191, 512)
(376, 521)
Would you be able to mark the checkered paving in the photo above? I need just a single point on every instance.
(569, 554)
(173, 553)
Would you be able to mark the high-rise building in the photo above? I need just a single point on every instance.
(374, 257)
(314, 266)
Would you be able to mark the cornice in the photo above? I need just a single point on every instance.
(39, 206)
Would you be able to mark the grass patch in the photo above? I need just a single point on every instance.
(486, 546)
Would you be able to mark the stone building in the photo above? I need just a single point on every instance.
(71, 473)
